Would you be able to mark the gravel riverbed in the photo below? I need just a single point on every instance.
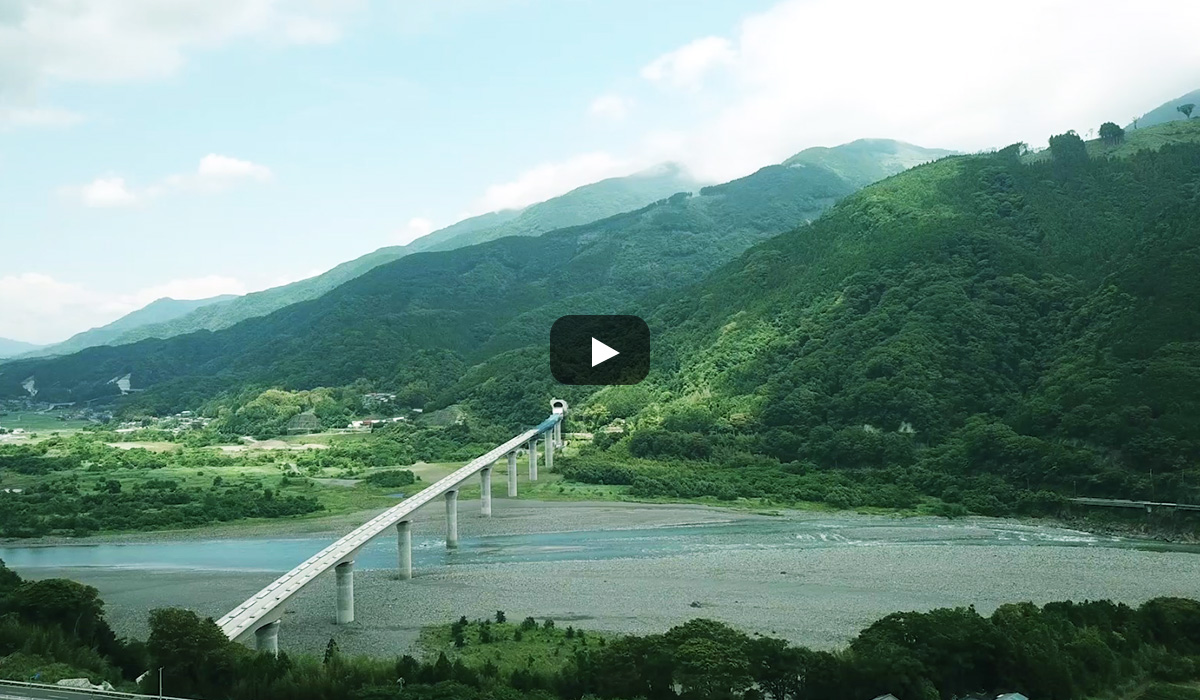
(760, 576)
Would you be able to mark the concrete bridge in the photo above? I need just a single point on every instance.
(259, 616)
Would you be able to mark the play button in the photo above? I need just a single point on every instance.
(599, 350)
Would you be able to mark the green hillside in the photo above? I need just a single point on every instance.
(156, 312)
(986, 331)
(865, 161)
(401, 322)
(579, 206)
(1146, 138)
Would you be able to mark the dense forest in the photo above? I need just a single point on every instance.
(1059, 651)
(1020, 326)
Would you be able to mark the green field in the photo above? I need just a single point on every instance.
(40, 422)
(540, 648)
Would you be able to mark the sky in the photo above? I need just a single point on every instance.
(189, 148)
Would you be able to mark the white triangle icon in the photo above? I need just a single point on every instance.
(601, 352)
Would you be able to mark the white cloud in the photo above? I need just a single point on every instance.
(108, 41)
(107, 192)
(552, 179)
(40, 309)
(213, 166)
(217, 172)
(687, 66)
(38, 116)
(966, 76)
(214, 173)
(939, 73)
(414, 229)
(611, 106)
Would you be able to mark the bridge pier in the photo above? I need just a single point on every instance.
(485, 490)
(549, 452)
(266, 638)
(533, 459)
(345, 592)
(404, 542)
(512, 474)
(452, 519)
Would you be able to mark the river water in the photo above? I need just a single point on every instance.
(815, 579)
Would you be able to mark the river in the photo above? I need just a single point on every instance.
(812, 578)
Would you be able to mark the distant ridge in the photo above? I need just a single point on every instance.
(158, 311)
(11, 348)
(579, 206)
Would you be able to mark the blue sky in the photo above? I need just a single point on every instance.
(193, 147)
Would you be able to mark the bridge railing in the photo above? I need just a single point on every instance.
(66, 689)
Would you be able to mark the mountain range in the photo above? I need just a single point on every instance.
(992, 330)
(167, 318)
(483, 299)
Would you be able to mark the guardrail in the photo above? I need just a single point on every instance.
(243, 619)
(89, 691)
(1126, 503)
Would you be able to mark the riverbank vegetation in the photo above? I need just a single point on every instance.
(78, 485)
(1059, 651)
(55, 629)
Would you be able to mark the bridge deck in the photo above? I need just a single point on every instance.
(264, 606)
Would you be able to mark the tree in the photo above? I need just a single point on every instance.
(1186, 110)
(1111, 134)
(73, 607)
(194, 651)
(707, 669)
(331, 651)
(1068, 148)
(500, 617)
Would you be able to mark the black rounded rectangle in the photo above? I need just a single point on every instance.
(600, 350)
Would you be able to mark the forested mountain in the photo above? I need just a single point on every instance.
(416, 322)
(10, 348)
(982, 329)
(156, 312)
(579, 206)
